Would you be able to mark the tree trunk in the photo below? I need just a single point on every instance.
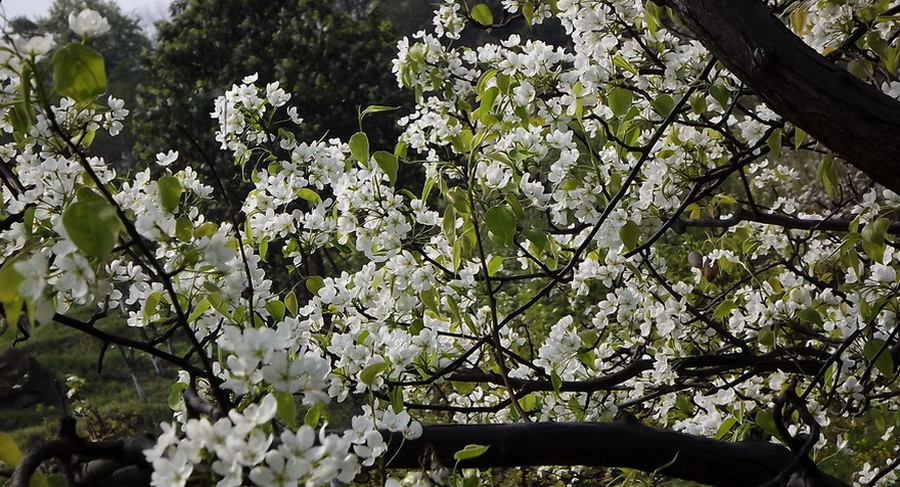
(848, 116)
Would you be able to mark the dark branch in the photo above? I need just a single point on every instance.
(618, 444)
(846, 115)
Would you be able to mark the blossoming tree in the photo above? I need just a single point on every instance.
(629, 251)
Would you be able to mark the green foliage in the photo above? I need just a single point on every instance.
(332, 64)
(120, 48)
(470, 452)
(79, 72)
(92, 224)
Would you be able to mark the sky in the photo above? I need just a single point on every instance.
(147, 10)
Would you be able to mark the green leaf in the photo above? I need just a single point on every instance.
(183, 229)
(309, 195)
(368, 374)
(537, 237)
(765, 421)
(470, 452)
(630, 233)
(92, 224)
(873, 236)
(766, 336)
(313, 415)
(528, 13)
(359, 147)
(276, 309)
(501, 221)
(698, 103)
(151, 304)
(799, 137)
(724, 309)
(175, 395)
(198, 310)
(876, 231)
(9, 282)
(774, 142)
(724, 428)
(9, 451)
(290, 302)
(620, 101)
(388, 163)
(494, 264)
(396, 396)
(827, 174)
(205, 230)
(286, 409)
(883, 360)
(663, 104)
(810, 315)
(79, 72)
(556, 381)
(375, 109)
(720, 93)
(314, 284)
(169, 193)
(482, 14)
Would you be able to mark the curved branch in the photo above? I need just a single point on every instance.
(618, 444)
(846, 115)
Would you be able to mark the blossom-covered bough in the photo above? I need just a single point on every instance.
(625, 253)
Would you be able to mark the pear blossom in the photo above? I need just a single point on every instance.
(88, 23)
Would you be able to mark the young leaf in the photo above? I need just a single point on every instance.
(630, 234)
(309, 195)
(774, 142)
(290, 302)
(501, 221)
(470, 451)
(79, 72)
(810, 315)
(169, 192)
(368, 374)
(388, 163)
(9, 451)
(482, 14)
(663, 104)
(494, 264)
(375, 109)
(175, 395)
(313, 415)
(92, 224)
(276, 309)
(9, 283)
(286, 409)
(359, 147)
(620, 101)
(151, 304)
(883, 360)
(314, 284)
(537, 237)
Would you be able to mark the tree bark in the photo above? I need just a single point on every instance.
(850, 117)
(617, 444)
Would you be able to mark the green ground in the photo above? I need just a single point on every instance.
(109, 394)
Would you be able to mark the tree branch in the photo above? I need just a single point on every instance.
(845, 114)
(618, 444)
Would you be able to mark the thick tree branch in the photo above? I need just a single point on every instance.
(824, 225)
(846, 115)
(618, 444)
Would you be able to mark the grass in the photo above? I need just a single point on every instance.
(108, 389)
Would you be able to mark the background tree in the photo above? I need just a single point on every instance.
(121, 48)
(617, 258)
(333, 63)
